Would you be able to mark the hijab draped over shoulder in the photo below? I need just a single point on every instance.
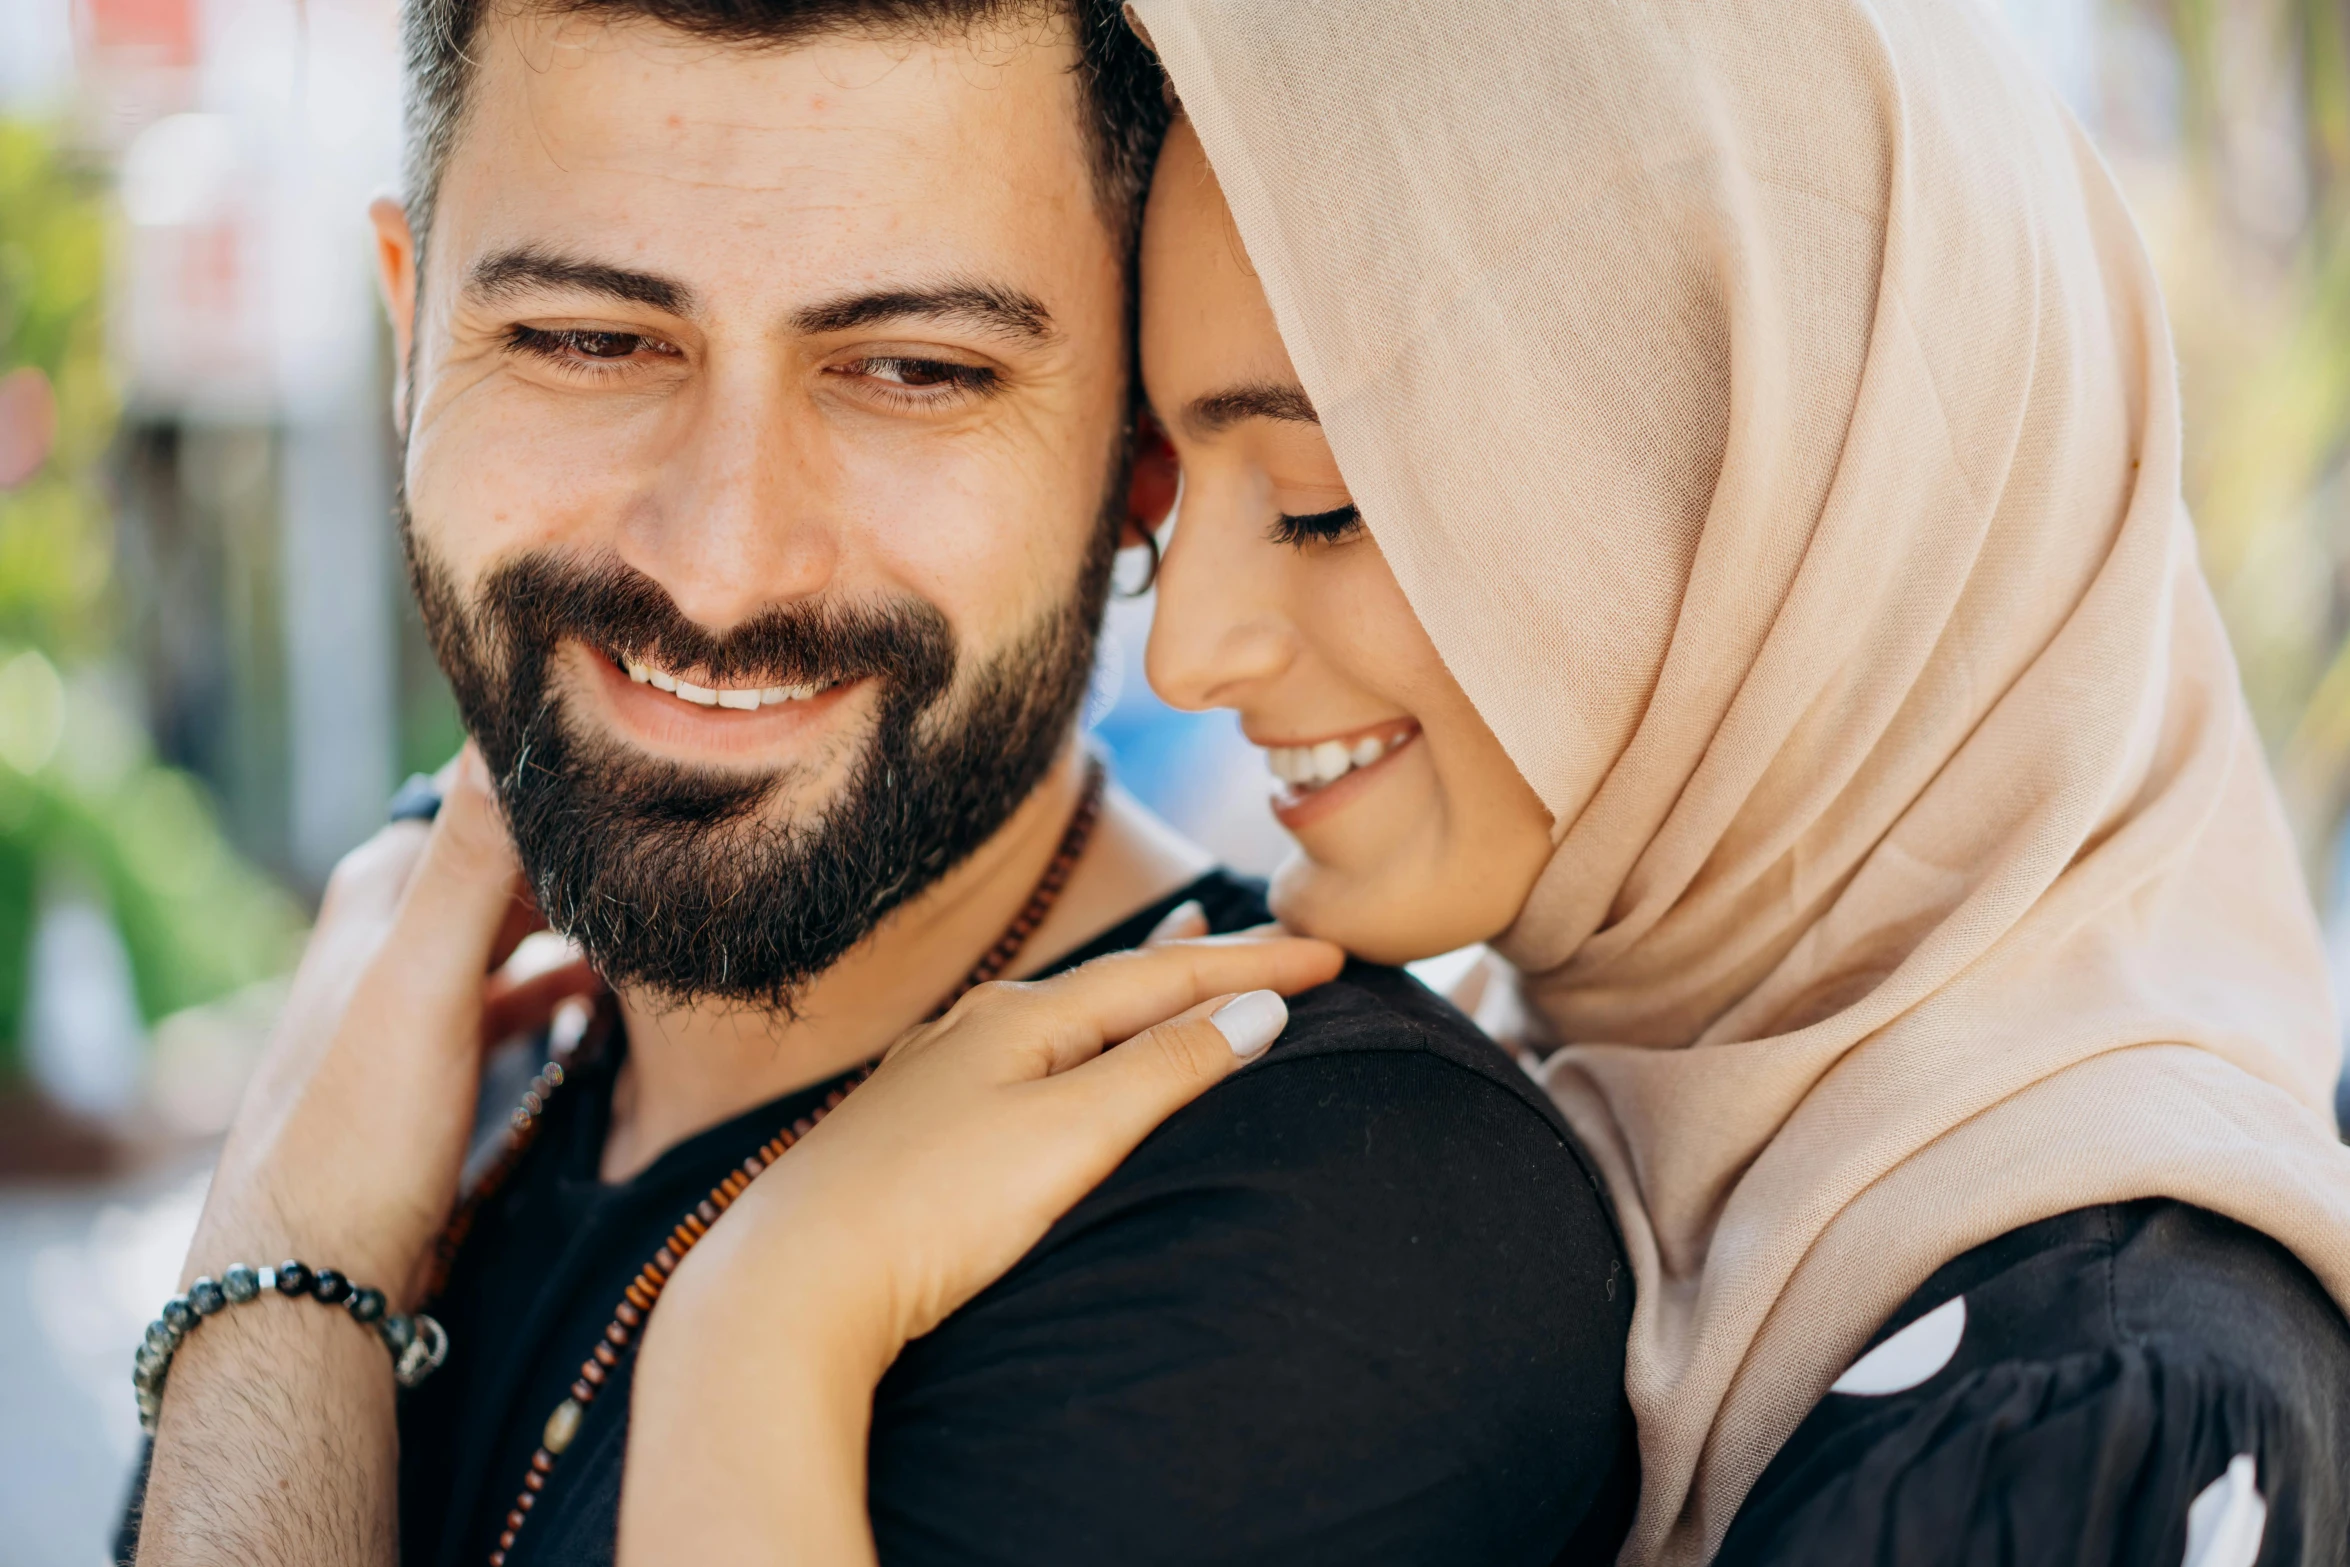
(1768, 408)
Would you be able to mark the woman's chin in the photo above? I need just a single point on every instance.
(1367, 913)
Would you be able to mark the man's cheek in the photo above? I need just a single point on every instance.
(494, 488)
(983, 540)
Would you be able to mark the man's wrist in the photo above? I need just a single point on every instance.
(374, 1249)
(276, 1343)
(416, 1345)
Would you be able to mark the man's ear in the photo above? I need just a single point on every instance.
(395, 272)
(1150, 493)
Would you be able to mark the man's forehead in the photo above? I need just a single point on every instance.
(654, 144)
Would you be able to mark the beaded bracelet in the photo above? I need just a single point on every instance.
(418, 1343)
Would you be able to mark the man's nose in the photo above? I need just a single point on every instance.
(1218, 627)
(742, 516)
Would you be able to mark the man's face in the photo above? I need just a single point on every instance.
(789, 378)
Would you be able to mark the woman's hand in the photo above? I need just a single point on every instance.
(754, 1386)
(348, 1142)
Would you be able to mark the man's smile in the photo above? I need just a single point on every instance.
(741, 698)
(674, 714)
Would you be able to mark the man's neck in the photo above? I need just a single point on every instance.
(690, 1068)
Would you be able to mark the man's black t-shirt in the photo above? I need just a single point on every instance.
(1361, 1302)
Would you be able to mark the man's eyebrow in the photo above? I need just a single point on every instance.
(521, 270)
(1005, 312)
(1264, 400)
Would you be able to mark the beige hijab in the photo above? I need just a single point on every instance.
(1767, 407)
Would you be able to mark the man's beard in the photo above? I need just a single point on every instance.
(678, 879)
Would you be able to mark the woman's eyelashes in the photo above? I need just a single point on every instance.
(1320, 527)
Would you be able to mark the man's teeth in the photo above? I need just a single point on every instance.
(745, 699)
(1312, 766)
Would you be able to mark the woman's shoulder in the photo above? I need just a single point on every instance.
(2142, 1381)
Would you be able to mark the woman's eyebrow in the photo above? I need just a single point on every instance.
(1216, 411)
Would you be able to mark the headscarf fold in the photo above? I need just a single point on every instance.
(1768, 408)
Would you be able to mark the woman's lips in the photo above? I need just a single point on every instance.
(1316, 777)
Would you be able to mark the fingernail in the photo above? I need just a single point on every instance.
(1186, 915)
(1251, 1022)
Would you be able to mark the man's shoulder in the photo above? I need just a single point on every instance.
(1361, 1301)
(1371, 1009)
(1376, 1085)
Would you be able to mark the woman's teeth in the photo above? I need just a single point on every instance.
(742, 698)
(1314, 766)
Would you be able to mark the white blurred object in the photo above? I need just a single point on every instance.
(243, 282)
(1450, 974)
(36, 54)
(84, 1040)
(2061, 37)
(180, 170)
(1481, 983)
(93, 1298)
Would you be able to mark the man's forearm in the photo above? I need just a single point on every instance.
(276, 1443)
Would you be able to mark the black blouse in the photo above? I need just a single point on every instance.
(2142, 1382)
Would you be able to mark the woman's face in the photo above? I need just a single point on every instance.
(1414, 830)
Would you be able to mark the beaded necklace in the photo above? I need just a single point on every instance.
(644, 1291)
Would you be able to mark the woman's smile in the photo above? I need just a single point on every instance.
(1313, 778)
(1416, 834)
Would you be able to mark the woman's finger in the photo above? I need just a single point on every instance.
(1068, 1018)
(526, 1005)
(461, 899)
(1120, 995)
(1122, 1096)
(1187, 921)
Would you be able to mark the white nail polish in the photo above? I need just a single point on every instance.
(1250, 1022)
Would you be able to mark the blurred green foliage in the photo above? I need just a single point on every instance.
(83, 804)
(2248, 215)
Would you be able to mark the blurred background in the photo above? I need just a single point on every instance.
(210, 676)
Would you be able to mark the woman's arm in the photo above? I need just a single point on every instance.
(754, 1387)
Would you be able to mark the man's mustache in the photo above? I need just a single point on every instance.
(616, 609)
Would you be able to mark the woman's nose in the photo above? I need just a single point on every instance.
(1218, 626)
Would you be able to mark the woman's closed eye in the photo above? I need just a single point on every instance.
(1301, 530)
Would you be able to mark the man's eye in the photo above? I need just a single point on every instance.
(1321, 527)
(577, 343)
(925, 374)
(605, 345)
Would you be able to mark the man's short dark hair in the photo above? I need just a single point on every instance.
(1119, 86)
